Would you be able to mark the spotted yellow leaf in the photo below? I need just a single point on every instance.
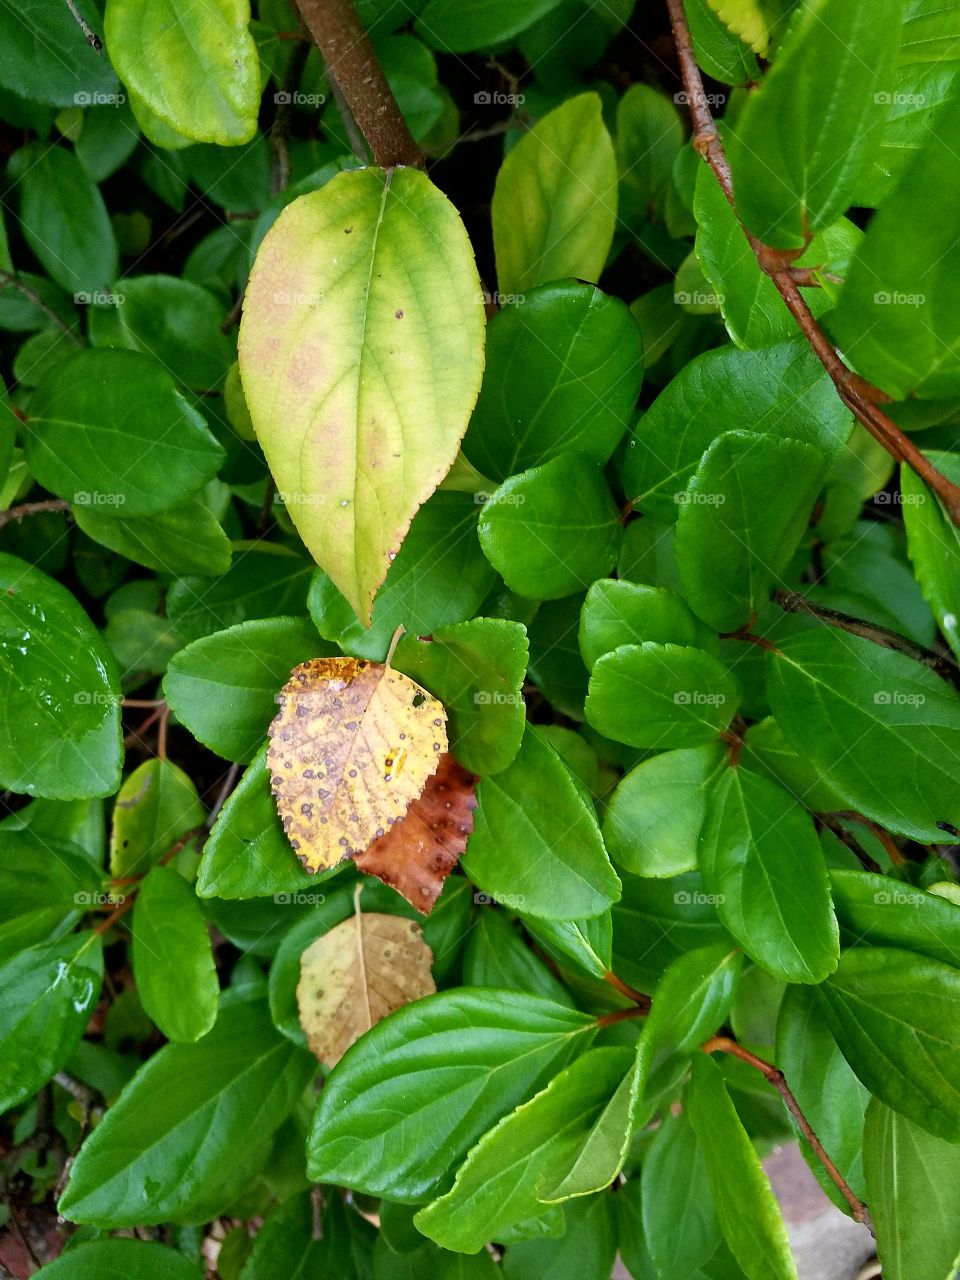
(351, 977)
(353, 744)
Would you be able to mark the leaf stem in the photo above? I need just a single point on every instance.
(858, 395)
(91, 37)
(621, 1015)
(12, 279)
(353, 66)
(774, 1076)
(618, 984)
(32, 509)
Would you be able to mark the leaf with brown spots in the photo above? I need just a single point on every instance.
(352, 746)
(418, 853)
(351, 977)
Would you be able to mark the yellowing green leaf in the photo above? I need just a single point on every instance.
(361, 351)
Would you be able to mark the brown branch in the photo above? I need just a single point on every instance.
(353, 66)
(774, 1076)
(832, 822)
(620, 1015)
(859, 396)
(618, 984)
(32, 509)
(91, 37)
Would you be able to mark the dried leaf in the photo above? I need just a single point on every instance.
(351, 977)
(418, 853)
(351, 747)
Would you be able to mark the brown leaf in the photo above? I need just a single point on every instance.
(418, 853)
(351, 977)
(351, 747)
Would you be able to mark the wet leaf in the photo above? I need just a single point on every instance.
(352, 746)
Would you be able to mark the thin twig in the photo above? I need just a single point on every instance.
(91, 37)
(621, 1015)
(832, 821)
(32, 509)
(894, 852)
(354, 67)
(28, 291)
(774, 1076)
(857, 394)
(639, 998)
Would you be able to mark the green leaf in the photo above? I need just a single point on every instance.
(753, 311)
(650, 134)
(393, 1118)
(830, 1095)
(184, 539)
(224, 687)
(196, 71)
(45, 886)
(681, 1232)
(65, 222)
(459, 26)
(497, 955)
(110, 429)
(746, 1209)
(653, 820)
(172, 960)
(116, 1259)
(531, 1151)
(886, 912)
(167, 1149)
(60, 690)
(543, 546)
(563, 176)
(760, 855)
(400, 371)
(286, 1242)
(177, 323)
(616, 612)
(895, 322)
(51, 991)
(660, 696)
(563, 372)
(157, 804)
(265, 580)
(829, 689)
(439, 577)
(913, 1181)
(733, 543)
(536, 844)
(723, 55)
(586, 942)
(587, 1247)
(805, 139)
(780, 391)
(476, 669)
(933, 541)
(896, 1018)
(42, 59)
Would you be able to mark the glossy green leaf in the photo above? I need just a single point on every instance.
(412, 1096)
(893, 913)
(172, 960)
(913, 1181)
(760, 855)
(895, 322)
(185, 539)
(780, 391)
(745, 1206)
(66, 224)
(587, 1246)
(60, 690)
(42, 59)
(650, 133)
(265, 580)
(108, 1259)
(564, 368)
(660, 696)
(51, 991)
(828, 689)
(806, 137)
(616, 612)
(680, 1232)
(934, 544)
(497, 955)
(896, 1018)
(196, 71)
(542, 544)
(653, 819)
(224, 687)
(155, 807)
(45, 886)
(458, 26)
(555, 199)
(531, 1150)
(586, 942)
(476, 669)
(536, 844)
(721, 53)
(166, 1149)
(401, 367)
(109, 429)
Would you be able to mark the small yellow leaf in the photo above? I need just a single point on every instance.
(351, 977)
(746, 19)
(353, 744)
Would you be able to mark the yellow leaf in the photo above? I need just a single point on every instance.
(746, 19)
(352, 746)
(356, 974)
